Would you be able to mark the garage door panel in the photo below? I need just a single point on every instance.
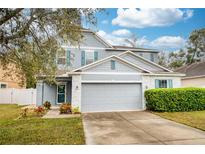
(111, 97)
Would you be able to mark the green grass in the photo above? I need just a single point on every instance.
(194, 119)
(10, 111)
(37, 130)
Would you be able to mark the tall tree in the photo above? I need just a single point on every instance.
(132, 41)
(162, 59)
(176, 59)
(196, 46)
(29, 38)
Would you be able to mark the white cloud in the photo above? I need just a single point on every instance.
(104, 22)
(168, 42)
(163, 42)
(152, 17)
(121, 32)
(114, 39)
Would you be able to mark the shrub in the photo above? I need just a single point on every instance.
(75, 110)
(175, 99)
(47, 105)
(24, 113)
(39, 110)
(65, 108)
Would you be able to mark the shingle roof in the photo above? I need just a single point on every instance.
(125, 48)
(195, 69)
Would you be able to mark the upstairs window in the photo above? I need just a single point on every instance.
(61, 59)
(112, 65)
(89, 56)
(152, 57)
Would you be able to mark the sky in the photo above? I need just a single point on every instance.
(165, 29)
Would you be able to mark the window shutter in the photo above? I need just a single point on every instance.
(112, 65)
(95, 56)
(170, 83)
(82, 58)
(156, 83)
(68, 58)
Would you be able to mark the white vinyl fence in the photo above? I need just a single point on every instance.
(18, 96)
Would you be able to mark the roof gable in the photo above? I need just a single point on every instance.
(120, 62)
(91, 39)
(142, 62)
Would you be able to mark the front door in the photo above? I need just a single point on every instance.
(61, 93)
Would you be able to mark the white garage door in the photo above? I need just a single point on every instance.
(100, 97)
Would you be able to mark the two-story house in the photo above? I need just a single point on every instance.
(98, 77)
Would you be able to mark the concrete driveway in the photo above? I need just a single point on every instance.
(137, 128)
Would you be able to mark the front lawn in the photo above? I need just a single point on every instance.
(37, 130)
(194, 119)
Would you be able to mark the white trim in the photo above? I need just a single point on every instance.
(112, 73)
(114, 111)
(155, 74)
(146, 60)
(82, 47)
(62, 83)
(193, 77)
(110, 81)
(133, 50)
(107, 58)
(102, 40)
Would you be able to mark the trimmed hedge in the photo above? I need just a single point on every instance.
(175, 99)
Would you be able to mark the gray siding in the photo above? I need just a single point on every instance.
(106, 67)
(111, 97)
(50, 93)
(109, 77)
(39, 93)
(46, 92)
(91, 42)
(141, 63)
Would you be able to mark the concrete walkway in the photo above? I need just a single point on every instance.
(137, 128)
(55, 113)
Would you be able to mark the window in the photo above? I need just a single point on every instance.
(163, 83)
(152, 57)
(61, 59)
(89, 56)
(61, 93)
(3, 85)
(112, 65)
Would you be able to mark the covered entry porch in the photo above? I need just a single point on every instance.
(56, 94)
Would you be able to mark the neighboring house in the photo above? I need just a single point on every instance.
(195, 75)
(97, 76)
(9, 78)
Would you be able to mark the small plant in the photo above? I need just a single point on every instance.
(24, 113)
(39, 110)
(65, 108)
(47, 105)
(76, 110)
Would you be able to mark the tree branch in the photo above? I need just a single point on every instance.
(9, 15)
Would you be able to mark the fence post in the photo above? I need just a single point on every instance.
(12, 93)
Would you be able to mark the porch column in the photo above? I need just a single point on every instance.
(39, 92)
(76, 91)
